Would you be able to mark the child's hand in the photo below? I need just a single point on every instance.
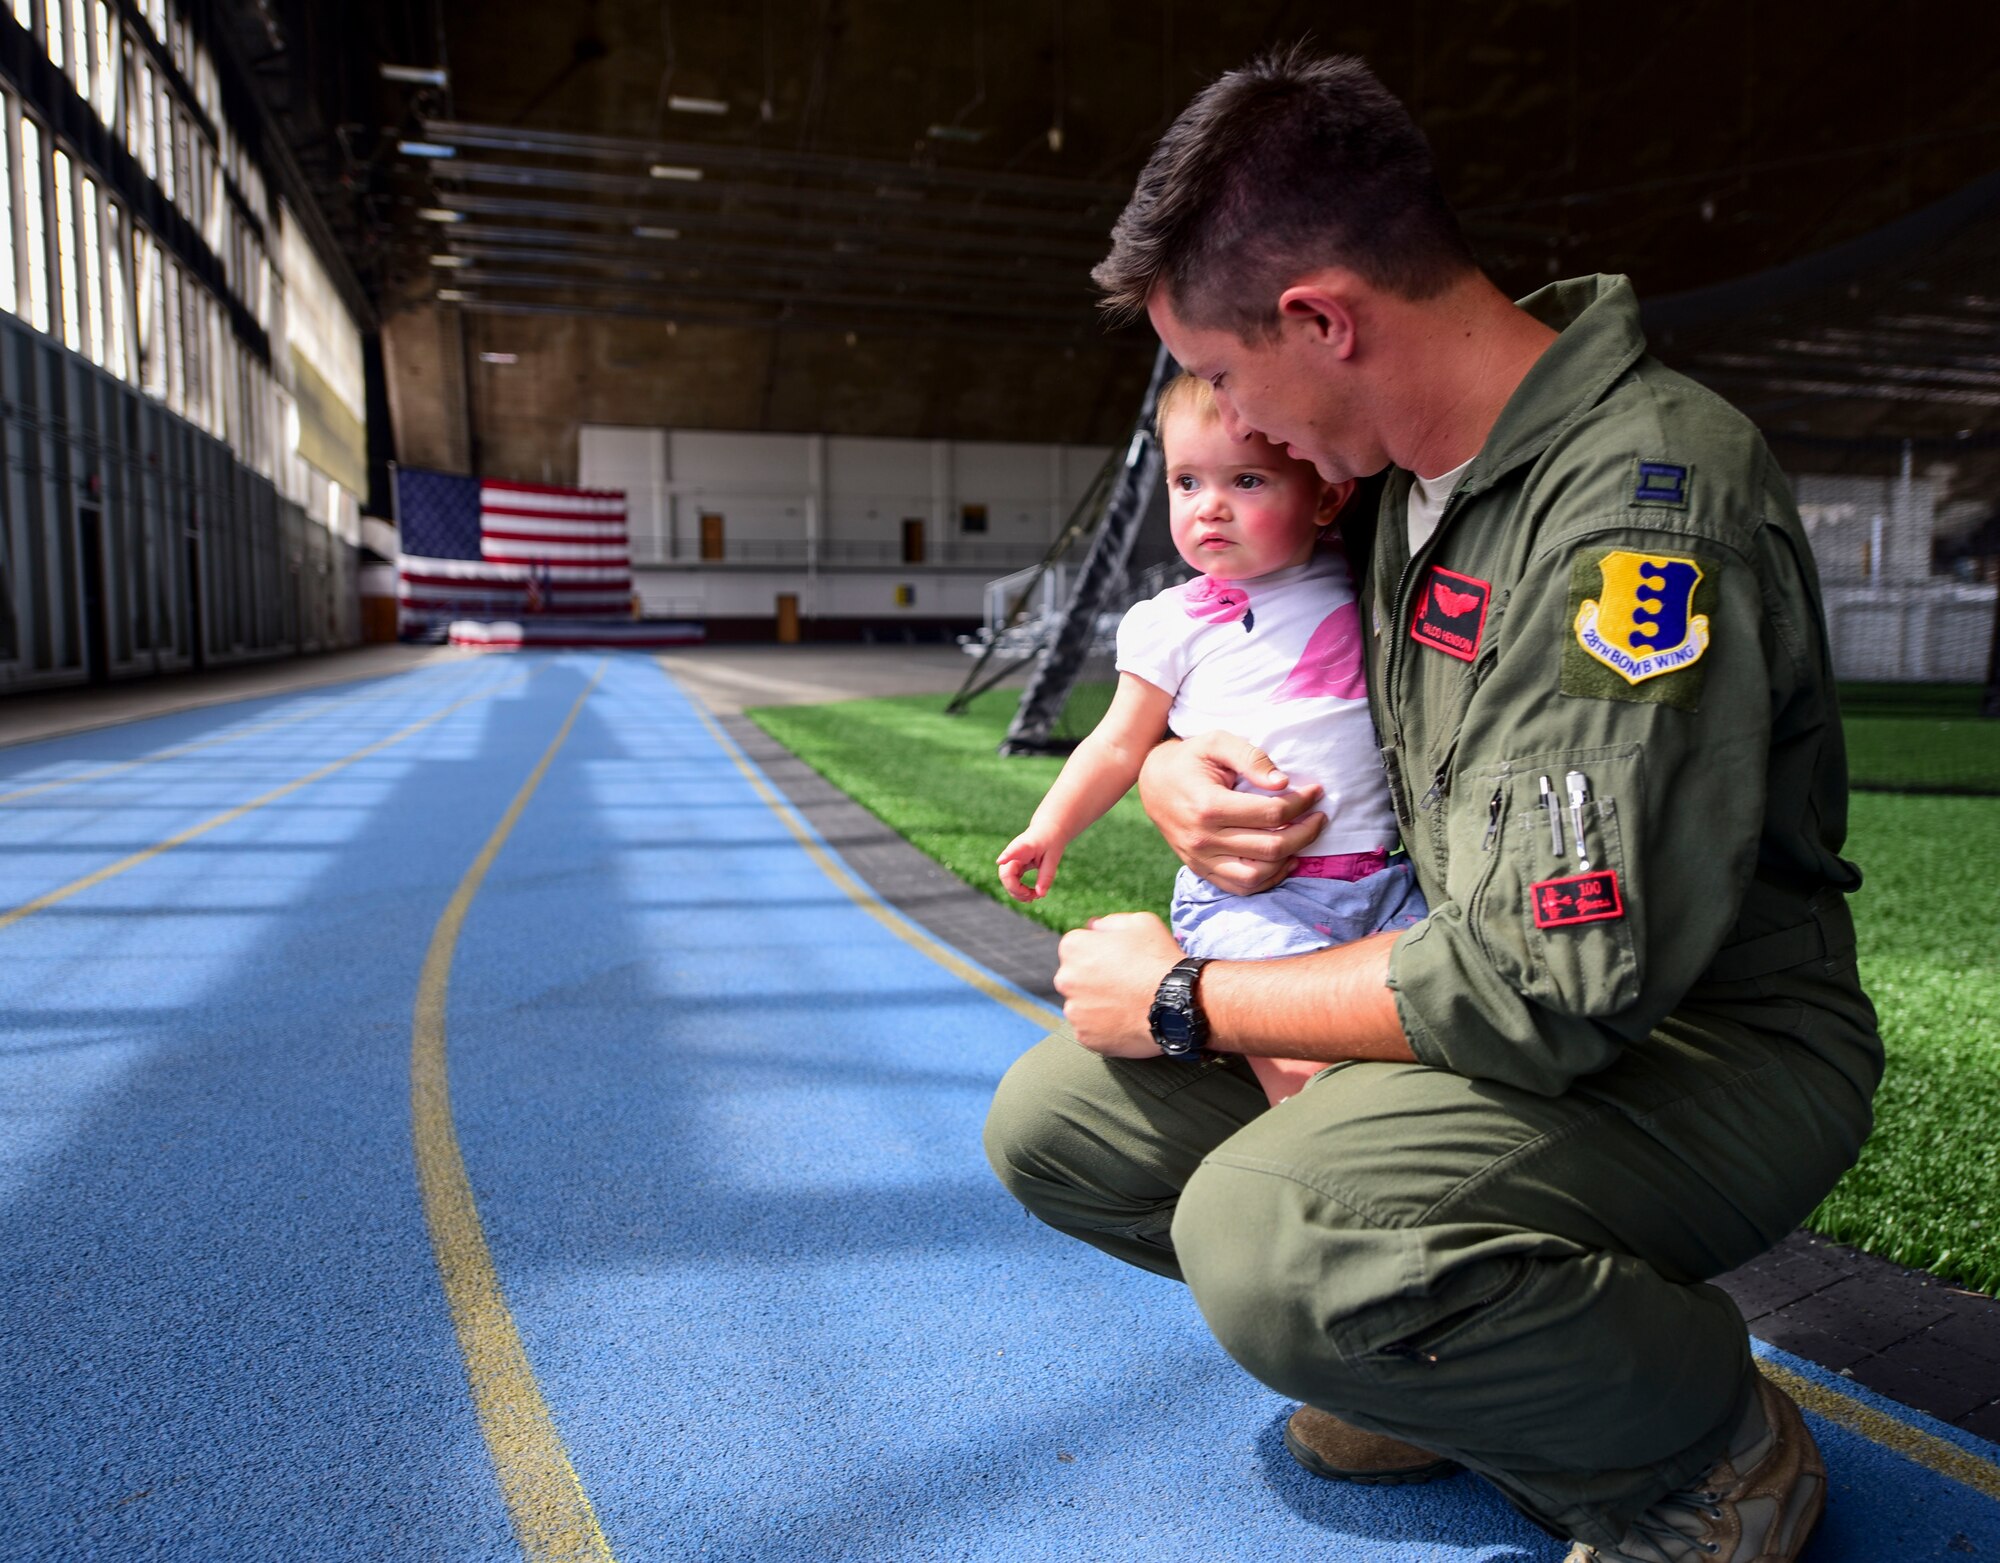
(1025, 854)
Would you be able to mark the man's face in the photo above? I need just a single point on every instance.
(1281, 388)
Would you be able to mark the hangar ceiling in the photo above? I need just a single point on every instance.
(879, 217)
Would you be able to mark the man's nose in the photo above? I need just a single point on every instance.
(1232, 421)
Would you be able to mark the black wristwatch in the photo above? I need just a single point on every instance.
(1176, 1018)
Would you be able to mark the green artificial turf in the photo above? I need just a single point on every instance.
(1920, 738)
(1923, 754)
(1927, 1189)
(937, 781)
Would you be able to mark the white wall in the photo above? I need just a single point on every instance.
(819, 504)
(634, 460)
(1875, 529)
(698, 593)
(1939, 631)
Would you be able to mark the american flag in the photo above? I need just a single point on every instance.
(478, 548)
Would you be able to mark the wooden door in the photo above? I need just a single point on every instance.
(788, 618)
(711, 537)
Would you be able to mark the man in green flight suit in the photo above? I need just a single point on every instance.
(1627, 1050)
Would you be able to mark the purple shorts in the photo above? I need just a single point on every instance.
(1295, 916)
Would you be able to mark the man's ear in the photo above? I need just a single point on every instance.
(1322, 306)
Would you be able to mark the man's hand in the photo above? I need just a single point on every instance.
(1241, 842)
(1108, 974)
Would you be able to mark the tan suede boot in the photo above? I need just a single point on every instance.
(1341, 1452)
(1758, 1504)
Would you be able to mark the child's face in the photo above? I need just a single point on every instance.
(1240, 508)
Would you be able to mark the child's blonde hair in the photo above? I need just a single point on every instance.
(1184, 393)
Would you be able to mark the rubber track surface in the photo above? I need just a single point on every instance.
(722, 1130)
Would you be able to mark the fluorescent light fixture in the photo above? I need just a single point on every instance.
(681, 105)
(416, 75)
(499, 358)
(450, 262)
(453, 295)
(673, 171)
(955, 133)
(898, 193)
(657, 233)
(439, 214)
(425, 149)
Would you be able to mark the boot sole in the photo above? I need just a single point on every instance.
(1403, 1476)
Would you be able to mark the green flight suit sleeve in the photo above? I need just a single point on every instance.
(1645, 657)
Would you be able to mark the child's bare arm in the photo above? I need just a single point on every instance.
(1100, 772)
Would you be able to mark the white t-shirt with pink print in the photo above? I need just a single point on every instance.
(1276, 660)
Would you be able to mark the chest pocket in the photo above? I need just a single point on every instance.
(1564, 927)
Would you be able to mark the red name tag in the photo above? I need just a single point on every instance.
(1451, 613)
(1581, 898)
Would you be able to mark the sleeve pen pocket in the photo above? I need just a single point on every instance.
(1557, 906)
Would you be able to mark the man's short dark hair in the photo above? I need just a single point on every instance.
(1287, 165)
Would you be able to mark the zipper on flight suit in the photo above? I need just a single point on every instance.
(1415, 1347)
(1441, 782)
(1398, 625)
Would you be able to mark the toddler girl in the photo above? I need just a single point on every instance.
(1265, 643)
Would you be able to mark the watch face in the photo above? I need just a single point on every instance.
(1175, 1019)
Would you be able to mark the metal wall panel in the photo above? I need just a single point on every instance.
(118, 514)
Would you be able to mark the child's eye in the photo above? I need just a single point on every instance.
(1249, 480)
(1185, 482)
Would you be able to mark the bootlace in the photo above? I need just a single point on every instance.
(1674, 1530)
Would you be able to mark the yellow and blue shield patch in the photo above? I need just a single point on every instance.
(1639, 627)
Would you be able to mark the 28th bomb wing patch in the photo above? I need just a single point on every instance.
(1638, 626)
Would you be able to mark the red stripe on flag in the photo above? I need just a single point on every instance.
(511, 487)
(560, 517)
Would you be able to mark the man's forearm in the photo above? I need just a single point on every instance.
(1331, 1005)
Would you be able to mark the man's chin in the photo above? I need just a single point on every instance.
(1333, 471)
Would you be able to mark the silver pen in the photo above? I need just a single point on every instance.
(1578, 789)
(1554, 812)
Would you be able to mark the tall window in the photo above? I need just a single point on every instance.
(93, 275)
(53, 30)
(117, 345)
(79, 44)
(106, 101)
(24, 13)
(34, 228)
(170, 339)
(149, 145)
(9, 289)
(166, 119)
(183, 165)
(72, 312)
(152, 315)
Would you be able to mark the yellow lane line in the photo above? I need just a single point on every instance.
(860, 894)
(552, 1515)
(1912, 1443)
(181, 838)
(1925, 1449)
(189, 748)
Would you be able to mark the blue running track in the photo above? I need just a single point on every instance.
(721, 1128)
